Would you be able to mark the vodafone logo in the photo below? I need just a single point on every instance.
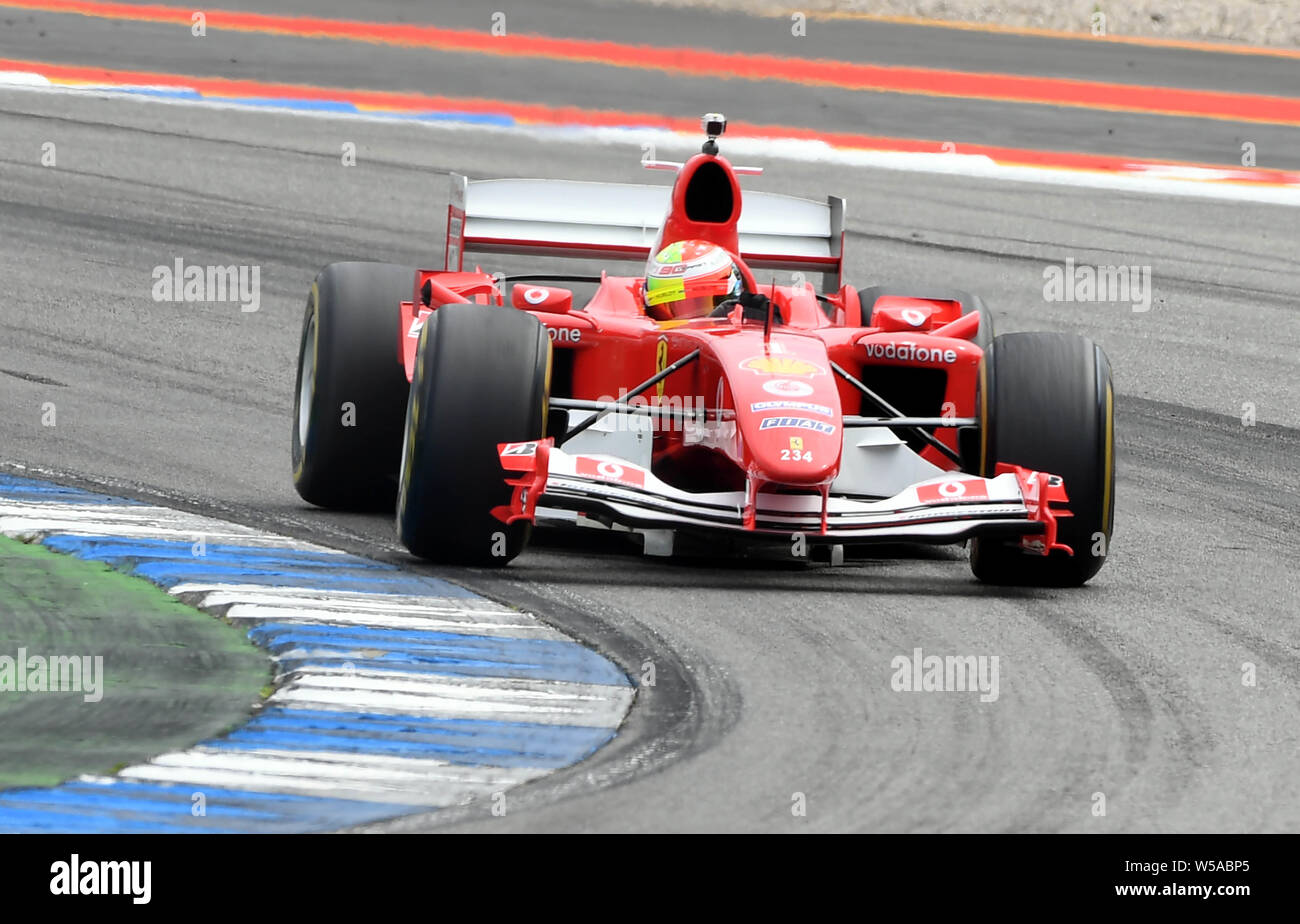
(909, 352)
(968, 489)
(915, 316)
(536, 296)
(609, 471)
(787, 388)
(564, 334)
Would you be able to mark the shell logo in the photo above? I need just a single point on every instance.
(782, 365)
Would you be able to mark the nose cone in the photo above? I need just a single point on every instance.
(788, 409)
(789, 452)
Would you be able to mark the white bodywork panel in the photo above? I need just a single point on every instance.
(877, 463)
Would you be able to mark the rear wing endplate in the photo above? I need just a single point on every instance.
(619, 221)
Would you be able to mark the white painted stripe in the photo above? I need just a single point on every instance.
(982, 168)
(24, 79)
(110, 513)
(374, 778)
(606, 711)
(254, 781)
(465, 624)
(609, 715)
(262, 778)
(110, 521)
(101, 88)
(342, 600)
(342, 765)
(522, 690)
(36, 528)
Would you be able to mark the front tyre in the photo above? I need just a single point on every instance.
(482, 377)
(1047, 404)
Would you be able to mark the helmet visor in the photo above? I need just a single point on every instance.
(697, 307)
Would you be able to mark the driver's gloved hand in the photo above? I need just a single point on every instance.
(724, 308)
(756, 306)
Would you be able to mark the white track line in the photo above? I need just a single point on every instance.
(465, 622)
(505, 699)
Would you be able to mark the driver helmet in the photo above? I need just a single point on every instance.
(688, 279)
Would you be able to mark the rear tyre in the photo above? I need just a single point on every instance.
(482, 377)
(1047, 404)
(351, 388)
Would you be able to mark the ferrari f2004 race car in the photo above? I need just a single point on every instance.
(695, 401)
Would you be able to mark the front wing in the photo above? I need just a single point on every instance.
(1015, 502)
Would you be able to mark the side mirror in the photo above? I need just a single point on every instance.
(541, 298)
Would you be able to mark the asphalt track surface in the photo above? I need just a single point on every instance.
(770, 681)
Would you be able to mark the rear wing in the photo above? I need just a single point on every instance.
(619, 221)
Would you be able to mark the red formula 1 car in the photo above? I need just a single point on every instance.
(780, 417)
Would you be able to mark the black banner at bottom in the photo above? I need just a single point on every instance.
(924, 872)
